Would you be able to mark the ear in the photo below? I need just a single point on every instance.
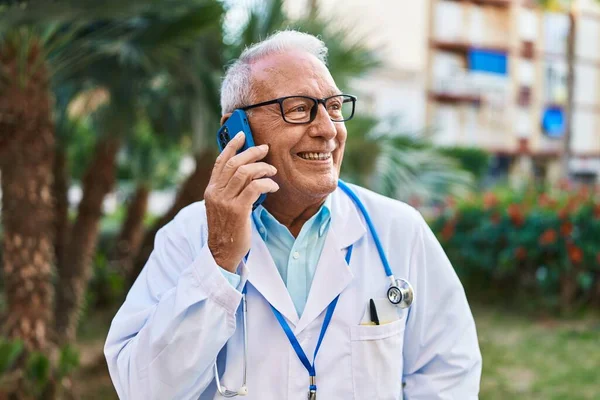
(225, 117)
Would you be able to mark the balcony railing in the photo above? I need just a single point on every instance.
(489, 3)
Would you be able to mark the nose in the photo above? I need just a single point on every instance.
(322, 126)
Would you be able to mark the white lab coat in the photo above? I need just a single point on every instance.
(182, 313)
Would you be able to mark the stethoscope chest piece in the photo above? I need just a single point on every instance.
(401, 293)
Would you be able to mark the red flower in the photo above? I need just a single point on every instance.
(546, 201)
(584, 192)
(572, 204)
(597, 211)
(489, 200)
(575, 253)
(520, 253)
(563, 213)
(548, 237)
(516, 215)
(448, 231)
(566, 229)
(415, 201)
(495, 218)
(564, 184)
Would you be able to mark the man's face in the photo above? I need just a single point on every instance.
(288, 74)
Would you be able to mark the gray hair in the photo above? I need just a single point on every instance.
(235, 89)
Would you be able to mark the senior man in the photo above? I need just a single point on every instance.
(318, 320)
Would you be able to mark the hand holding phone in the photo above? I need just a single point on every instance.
(238, 179)
(238, 121)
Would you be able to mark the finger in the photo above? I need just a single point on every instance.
(229, 151)
(247, 173)
(254, 189)
(248, 156)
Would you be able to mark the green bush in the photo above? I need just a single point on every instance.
(540, 243)
(472, 159)
(34, 367)
(9, 353)
(106, 286)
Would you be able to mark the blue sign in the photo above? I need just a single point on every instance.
(491, 61)
(553, 121)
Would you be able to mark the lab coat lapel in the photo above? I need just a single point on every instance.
(333, 274)
(264, 276)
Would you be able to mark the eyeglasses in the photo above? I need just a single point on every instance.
(303, 109)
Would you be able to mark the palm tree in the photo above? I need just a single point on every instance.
(146, 46)
(44, 46)
(27, 155)
(399, 164)
(26, 161)
(151, 161)
(197, 84)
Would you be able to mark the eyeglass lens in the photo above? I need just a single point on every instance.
(298, 109)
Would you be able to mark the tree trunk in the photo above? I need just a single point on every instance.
(571, 41)
(61, 210)
(568, 289)
(26, 159)
(192, 190)
(75, 273)
(595, 300)
(132, 230)
(127, 244)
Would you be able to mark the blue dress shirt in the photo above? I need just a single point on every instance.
(296, 259)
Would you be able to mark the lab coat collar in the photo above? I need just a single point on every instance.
(346, 219)
(332, 275)
(264, 276)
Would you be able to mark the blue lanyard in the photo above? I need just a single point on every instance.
(294, 342)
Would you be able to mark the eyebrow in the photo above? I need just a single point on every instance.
(332, 92)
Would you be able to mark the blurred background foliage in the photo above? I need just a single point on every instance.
(127, 95)
(539, 244)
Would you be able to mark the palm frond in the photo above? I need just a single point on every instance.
(407, 173)
(274, 18)
(35, 13)
(149, 158)
(179, 31)
(402, 166)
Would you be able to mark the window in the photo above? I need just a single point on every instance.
(490, 61)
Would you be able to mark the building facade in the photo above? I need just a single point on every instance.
(484, 73)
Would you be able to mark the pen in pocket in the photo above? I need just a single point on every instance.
(373, 311)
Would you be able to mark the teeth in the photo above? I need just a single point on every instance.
(315, 156)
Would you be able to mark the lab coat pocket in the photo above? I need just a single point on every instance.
(377, 360)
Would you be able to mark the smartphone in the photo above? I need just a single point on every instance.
(238, 122)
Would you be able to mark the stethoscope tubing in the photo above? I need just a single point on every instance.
(363, 210)
(386, 266)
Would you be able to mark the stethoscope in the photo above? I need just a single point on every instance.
(400, 293)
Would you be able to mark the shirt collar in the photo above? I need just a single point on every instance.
(263, 218)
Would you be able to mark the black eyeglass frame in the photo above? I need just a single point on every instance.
(313, 110)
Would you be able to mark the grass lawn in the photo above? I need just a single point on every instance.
(523, 358)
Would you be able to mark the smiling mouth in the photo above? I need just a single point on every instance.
(314, 156)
